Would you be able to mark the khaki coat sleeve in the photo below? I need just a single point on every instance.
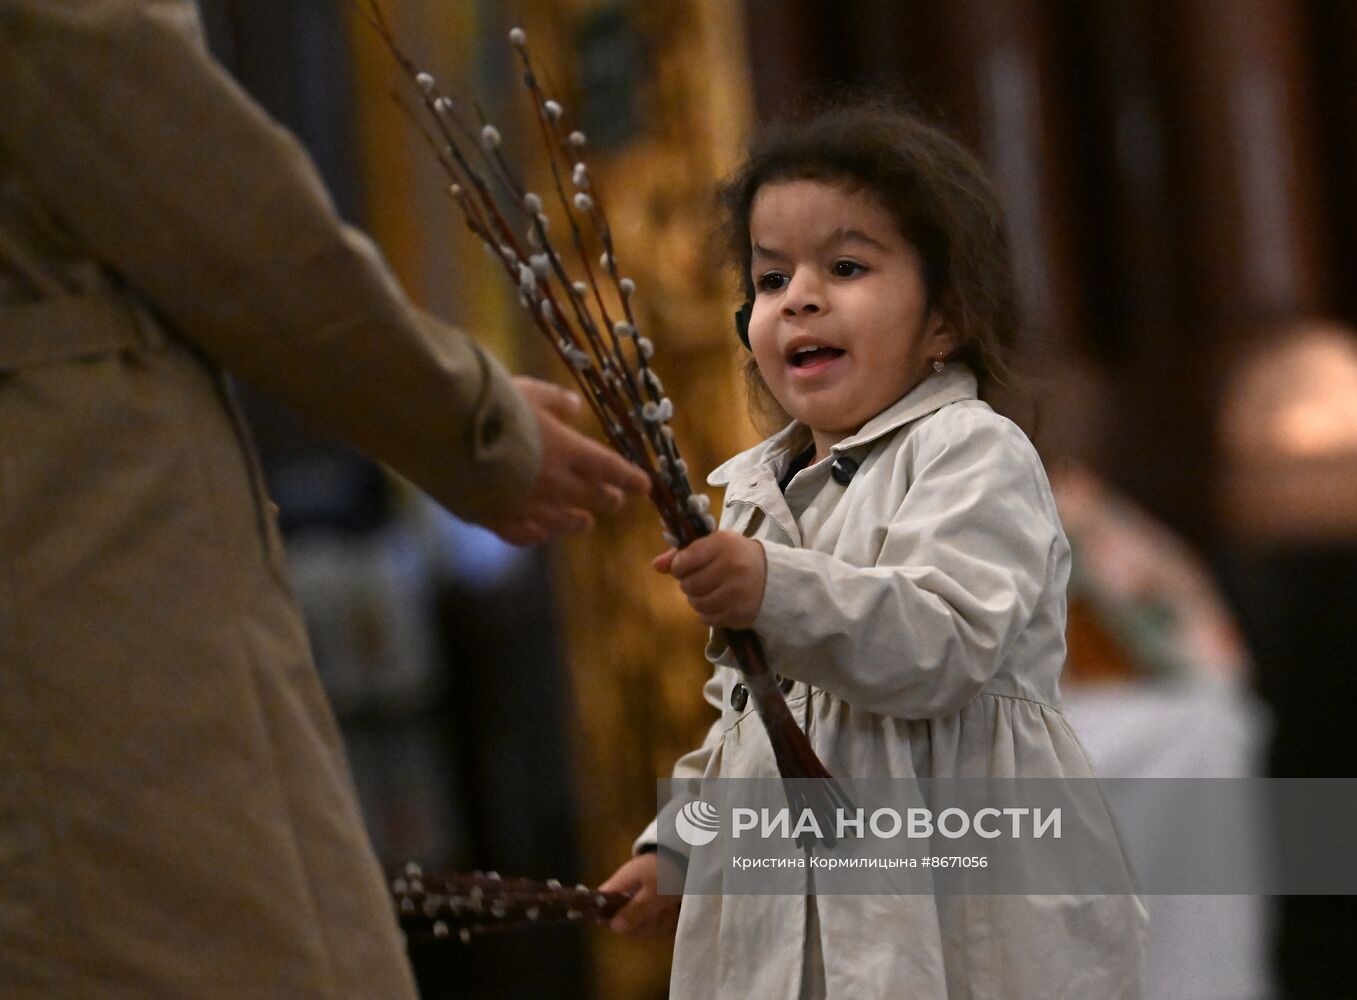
(159, 163)
(962, 567)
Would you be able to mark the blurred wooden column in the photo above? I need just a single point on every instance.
(792, 47)
(1125, 130)
(999, 77)
(1244, 84)
(1251, 171)
(1145, 334)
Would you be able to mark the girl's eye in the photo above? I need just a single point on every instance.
(772, 282)
(847, 268)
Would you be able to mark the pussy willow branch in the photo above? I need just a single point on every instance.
(625, 394)
(459, 907)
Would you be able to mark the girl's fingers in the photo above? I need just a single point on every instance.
(726, 609)
(696, 555)
(647, 915)
(719, 600)
(639, 910)
(634, 914)
(618, 882)
(628, 878)
(704, 582)
(664, 560)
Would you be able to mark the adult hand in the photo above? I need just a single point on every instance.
(722, 575)
(579, 476)
(648, 914)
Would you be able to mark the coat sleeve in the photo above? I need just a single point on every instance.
(693, 764)
(962, 566)
(158, 162)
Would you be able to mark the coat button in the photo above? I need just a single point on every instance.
(492, 428)
(739, 697)
(785, 683)
(843, 469)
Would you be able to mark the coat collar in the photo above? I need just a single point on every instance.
(952, 384)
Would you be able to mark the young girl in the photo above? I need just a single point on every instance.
(897, 550)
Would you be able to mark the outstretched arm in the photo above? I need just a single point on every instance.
(159, 164)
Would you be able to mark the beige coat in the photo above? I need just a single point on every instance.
(920, 610)
(176, 816)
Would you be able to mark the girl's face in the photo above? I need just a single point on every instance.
(841, 328)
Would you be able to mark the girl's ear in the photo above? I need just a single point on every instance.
(942, 338)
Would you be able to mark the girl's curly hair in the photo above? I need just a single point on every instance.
(937, 193)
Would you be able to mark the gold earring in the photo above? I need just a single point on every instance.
(938, 363)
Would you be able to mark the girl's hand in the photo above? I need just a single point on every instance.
(722, 575)
(648, 914)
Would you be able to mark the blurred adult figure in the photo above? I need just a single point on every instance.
(176, 815)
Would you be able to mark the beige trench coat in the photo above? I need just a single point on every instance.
(176, 816)
(920, 610)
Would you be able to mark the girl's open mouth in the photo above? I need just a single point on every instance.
(814, 357)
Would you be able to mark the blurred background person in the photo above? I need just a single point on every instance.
(1157, 684)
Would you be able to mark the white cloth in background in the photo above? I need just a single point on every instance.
(1201, 947)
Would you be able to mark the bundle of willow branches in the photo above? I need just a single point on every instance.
(601, 346)
(460, 907)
